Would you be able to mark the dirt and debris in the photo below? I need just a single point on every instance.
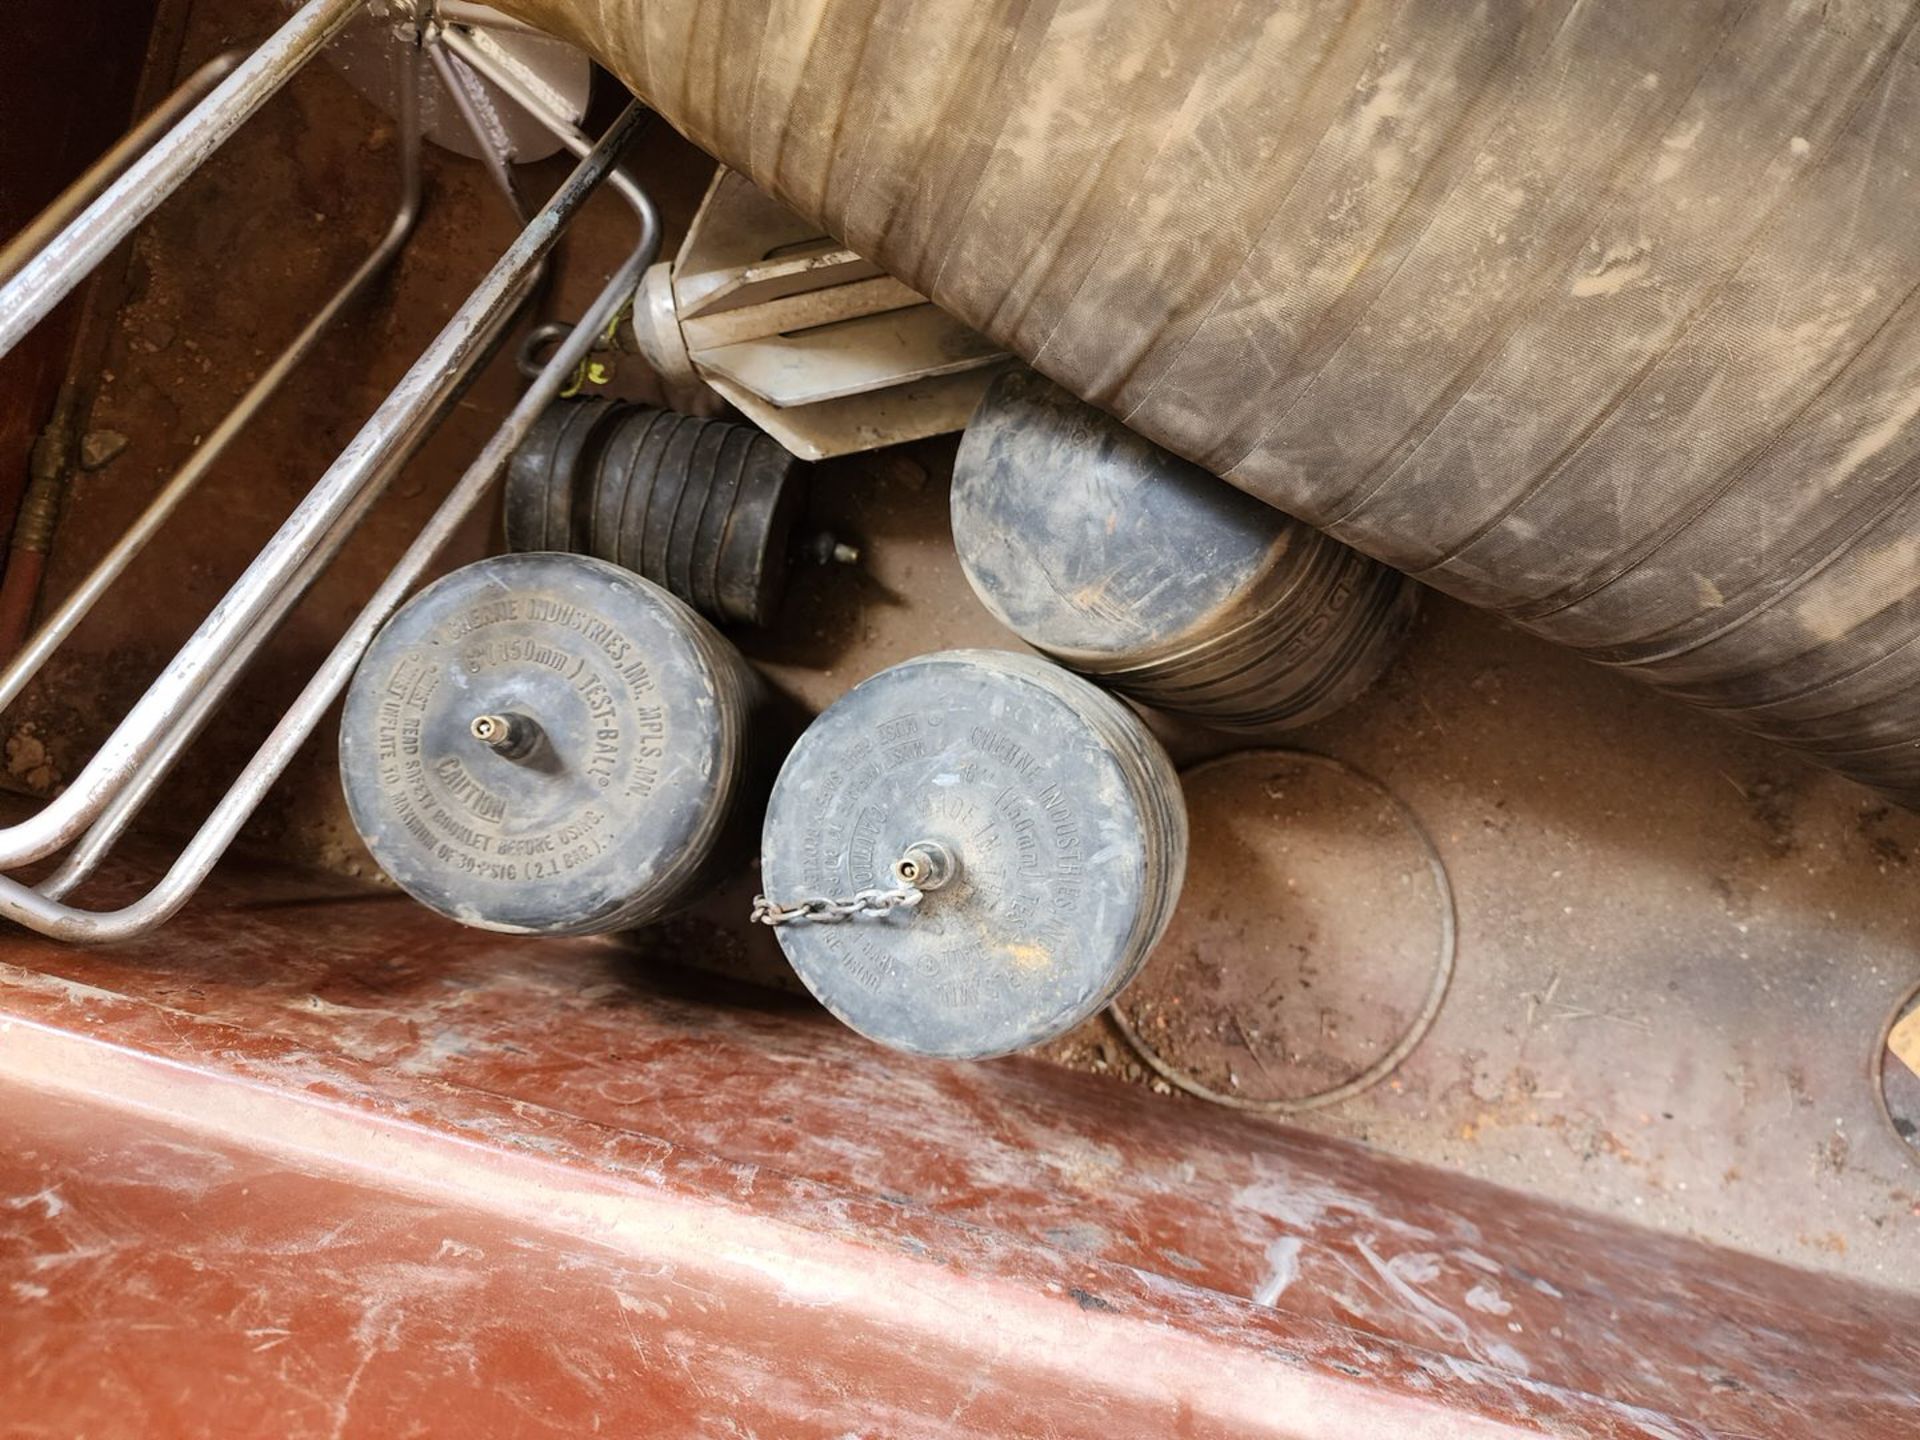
(1270, 984)
(1658, 917)
(30, 762)
(100, 448)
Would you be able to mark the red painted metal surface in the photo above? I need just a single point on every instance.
(311, 1164)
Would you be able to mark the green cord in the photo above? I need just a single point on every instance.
(590, 371)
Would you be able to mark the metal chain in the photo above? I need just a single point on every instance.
(820, 910)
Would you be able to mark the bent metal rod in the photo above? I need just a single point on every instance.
(123, 773)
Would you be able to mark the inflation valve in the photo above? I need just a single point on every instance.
(971, 853)
(549, 744)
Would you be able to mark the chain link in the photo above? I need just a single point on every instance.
(820, 910)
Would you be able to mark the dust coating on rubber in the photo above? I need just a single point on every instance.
(604, 491)
(706, 508)
(1605, 317)
(1152, 577)
(1093, 543)
(612, 816)
(541, 478)
(1062, 811)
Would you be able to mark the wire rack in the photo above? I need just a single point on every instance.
(65, 243)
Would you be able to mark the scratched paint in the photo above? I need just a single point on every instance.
(781, 1167)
